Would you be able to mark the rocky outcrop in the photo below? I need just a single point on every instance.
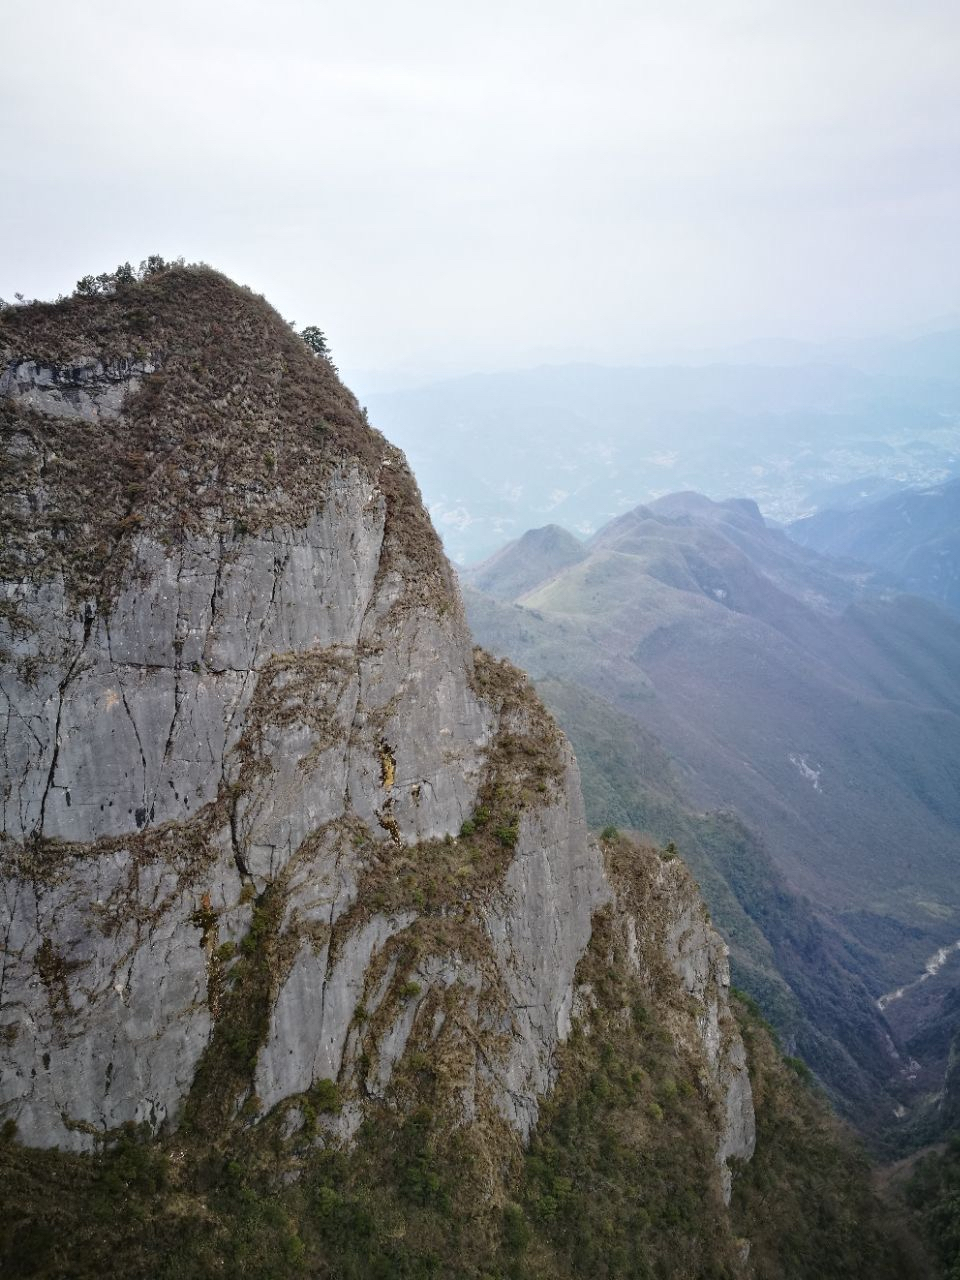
(273, 831)
(249, 712)
(683, 962)
(90, 389)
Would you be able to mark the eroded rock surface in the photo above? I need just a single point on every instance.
(246, 712)
(271, 827)
(86, 388)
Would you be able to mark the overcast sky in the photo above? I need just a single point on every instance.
(439, 184)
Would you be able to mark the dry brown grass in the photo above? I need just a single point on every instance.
(236, 431)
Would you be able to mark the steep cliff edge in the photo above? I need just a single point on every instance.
(244, 730)
(305, 944)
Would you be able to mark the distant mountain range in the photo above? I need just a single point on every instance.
(913, 535)
(793, 723)
(579, 444)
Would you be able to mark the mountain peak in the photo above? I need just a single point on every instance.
(181, 403)
(690, 503)
(526, 562)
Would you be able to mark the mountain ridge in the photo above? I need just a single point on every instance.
(501, 453)
(910, 535)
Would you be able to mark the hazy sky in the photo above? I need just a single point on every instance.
(440, 183)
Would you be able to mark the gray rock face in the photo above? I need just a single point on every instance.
(103, 1001)
(507, 983)
(136, 716)
(238, 707)
(266, 745)
(315, 1011)
(89, 389)
(540, 927)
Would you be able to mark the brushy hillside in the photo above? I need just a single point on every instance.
(787, 956)
(232, 429)
(616, 1182)
(807, 1168)
(932, 1191)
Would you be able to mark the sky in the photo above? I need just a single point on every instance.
(443, 187)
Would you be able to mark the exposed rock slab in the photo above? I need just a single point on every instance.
(261, 800)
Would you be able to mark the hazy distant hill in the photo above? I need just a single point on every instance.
(914, 535)
(825, 716)
(498, 453)
(929, 355)
(529, 560)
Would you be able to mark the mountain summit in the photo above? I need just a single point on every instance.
(244, 702)
(525, 563)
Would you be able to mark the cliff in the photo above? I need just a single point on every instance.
(267, 818)
(308, 955)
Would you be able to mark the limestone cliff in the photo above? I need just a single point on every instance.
(270, 825)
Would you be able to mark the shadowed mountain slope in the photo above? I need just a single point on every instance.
(913, 536)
